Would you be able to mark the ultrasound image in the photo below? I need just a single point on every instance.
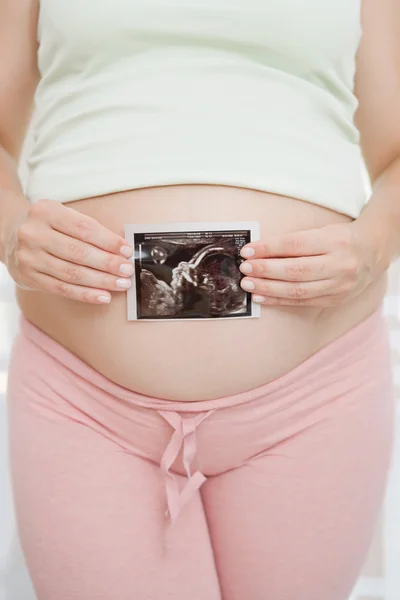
(190, 275)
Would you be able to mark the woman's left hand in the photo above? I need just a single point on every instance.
(317, 267)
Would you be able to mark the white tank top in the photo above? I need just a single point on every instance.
(249, 93)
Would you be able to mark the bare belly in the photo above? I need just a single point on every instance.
(197, 360)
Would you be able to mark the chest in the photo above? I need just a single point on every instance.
(304, 30)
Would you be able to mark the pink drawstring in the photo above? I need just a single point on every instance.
(184, 435)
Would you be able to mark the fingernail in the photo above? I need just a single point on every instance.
(247, 252)
(126, 269)
(126, 251)
(248, 285)
(246, 267)
(258, 299)
(104, 299)
(123, 283)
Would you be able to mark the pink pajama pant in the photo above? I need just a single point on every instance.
(271, 494)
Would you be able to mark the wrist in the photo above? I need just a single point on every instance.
(378, 234)
(14, 207)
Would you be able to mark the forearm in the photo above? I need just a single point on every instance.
(381, 216)
(12, 200)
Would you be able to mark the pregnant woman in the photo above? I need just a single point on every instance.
(221, 459)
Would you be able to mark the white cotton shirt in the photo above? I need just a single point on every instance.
(249, 93)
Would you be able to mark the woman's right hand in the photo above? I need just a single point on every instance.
(57, 249)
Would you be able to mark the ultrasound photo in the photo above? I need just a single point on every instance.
(189, 271)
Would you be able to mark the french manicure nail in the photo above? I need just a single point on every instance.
(126, 269)
(126, 251)
(246, 267)
(247, 252)
(258, 299)
(104, 299)
(124, 284)
(248, 285)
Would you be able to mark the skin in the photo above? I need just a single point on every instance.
(46, 247)
(319, 273)
(332, 265)
(321, 267)
(64, 236)
(57, 250)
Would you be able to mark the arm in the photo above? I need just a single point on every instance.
(18, 80)
(378, 120)
(331, 265)
(46, 247)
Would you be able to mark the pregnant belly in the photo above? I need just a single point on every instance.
(196, 360)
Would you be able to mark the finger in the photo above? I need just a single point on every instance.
(309, 268)
(300, 243)
(71, 291)
(81, 253)
(83, 276)
(284, 289)
(329, 300)
(85, 228)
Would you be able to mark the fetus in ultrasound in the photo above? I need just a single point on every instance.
(191, 278)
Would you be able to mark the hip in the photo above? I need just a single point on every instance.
(352, 371)
(329, 415)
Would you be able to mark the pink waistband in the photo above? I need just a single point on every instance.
(355, 338)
